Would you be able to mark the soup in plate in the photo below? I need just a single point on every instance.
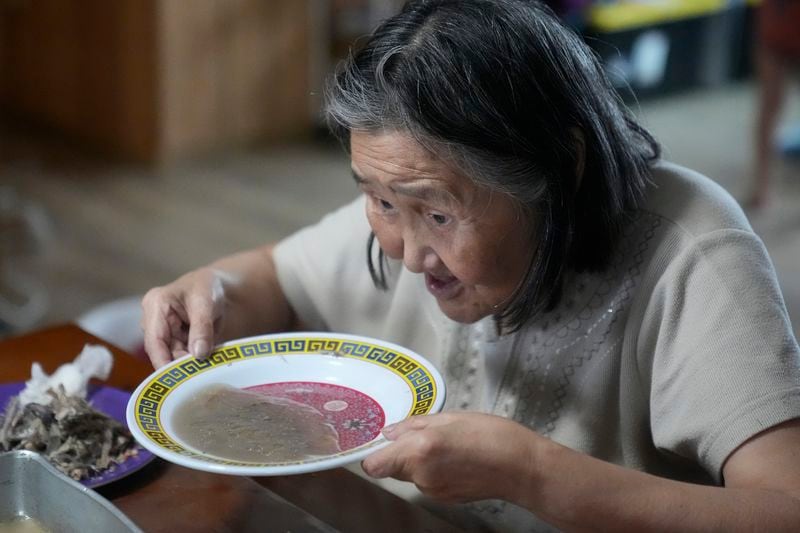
(242, 425)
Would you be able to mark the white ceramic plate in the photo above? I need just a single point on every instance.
(359, 384)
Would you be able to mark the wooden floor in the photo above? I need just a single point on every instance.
(108, 231)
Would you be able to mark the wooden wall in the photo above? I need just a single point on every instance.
(158, 80)
(234, 71)
(86, 67)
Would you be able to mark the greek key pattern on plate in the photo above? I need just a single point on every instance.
(149, 401)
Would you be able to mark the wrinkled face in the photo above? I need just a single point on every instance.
(472, 245)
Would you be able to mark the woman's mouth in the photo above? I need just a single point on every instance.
(443, 288)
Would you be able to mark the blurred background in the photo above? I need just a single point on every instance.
(142, 138)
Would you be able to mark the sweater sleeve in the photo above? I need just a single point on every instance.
(725, 361)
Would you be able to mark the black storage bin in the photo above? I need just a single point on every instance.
(665, 57)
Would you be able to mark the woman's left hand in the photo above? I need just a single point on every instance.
(457, 457)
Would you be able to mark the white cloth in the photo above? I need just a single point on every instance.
(94, 361)
(666, 362)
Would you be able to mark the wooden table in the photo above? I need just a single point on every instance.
(167, 497)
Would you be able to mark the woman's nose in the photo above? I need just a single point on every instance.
(418, 257)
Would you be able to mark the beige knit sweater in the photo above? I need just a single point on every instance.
(665, 363)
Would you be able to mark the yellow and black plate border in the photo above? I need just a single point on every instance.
(149, 401)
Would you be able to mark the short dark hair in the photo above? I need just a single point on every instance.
(517, 100)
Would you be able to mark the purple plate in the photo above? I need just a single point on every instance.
(110, 401)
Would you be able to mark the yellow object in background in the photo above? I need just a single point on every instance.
(625, 15)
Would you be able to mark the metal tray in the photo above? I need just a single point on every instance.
(30, 486)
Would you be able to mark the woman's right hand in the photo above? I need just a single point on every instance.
(184, 316)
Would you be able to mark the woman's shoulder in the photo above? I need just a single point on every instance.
(691, 201)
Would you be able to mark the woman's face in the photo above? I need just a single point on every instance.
(473, 246)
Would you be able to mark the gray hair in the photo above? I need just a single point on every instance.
(500, 88)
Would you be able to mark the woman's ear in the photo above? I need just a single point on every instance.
(580, 152)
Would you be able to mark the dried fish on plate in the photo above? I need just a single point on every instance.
(51, 416)
(76, 438)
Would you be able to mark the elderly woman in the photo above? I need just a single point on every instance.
(616, 349)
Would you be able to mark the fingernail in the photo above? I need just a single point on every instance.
(372, 471)
(388, 430)
(377, 473)
(200, 348)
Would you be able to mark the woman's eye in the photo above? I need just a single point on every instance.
(439, 219)
(384, 204)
